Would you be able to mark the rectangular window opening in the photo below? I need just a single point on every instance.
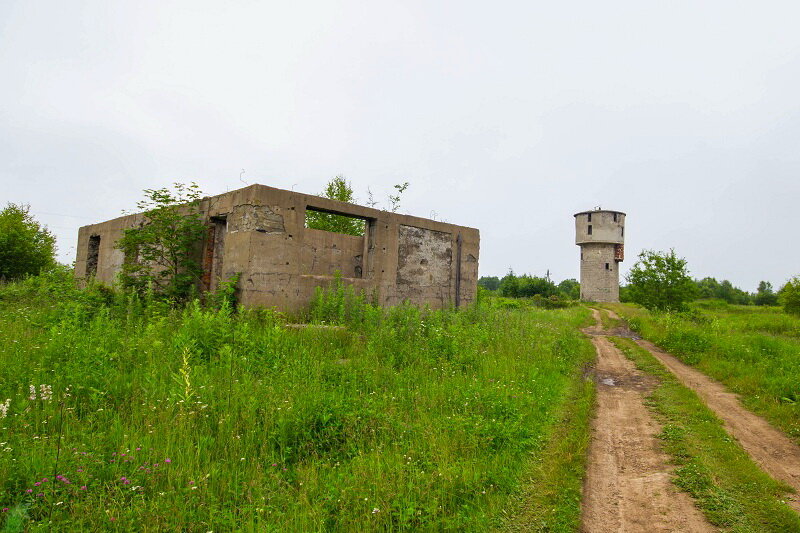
(622, 231)
(608, 266)
(590, 217)
(92, 256)
(342, 242)
(615, 217)
(590, 229)
(335, 222)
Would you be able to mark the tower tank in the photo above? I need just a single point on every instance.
(601, 236)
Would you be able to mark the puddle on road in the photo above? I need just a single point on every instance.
(608, 381)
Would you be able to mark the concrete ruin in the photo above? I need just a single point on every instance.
(260, 233)
(601, 236)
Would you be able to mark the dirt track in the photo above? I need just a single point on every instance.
(628, 484)
(769, 447)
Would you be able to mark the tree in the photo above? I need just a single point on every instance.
(789, 296)
(491, 283)
(526, 286)
(336, 189)
(660, 280)
(765, 295)
(570, 289)
(163, 251)
(26, 247)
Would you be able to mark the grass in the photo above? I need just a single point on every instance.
(551, 495)
(754, 351)
(729, 488)
(202, 419)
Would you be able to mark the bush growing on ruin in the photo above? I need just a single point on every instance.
(660, 280)
(789, 296)
(162, 252)
(340, 189)
(26, 247)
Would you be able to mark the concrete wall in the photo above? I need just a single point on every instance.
(259, 232)
(604, 227)
(602, 249)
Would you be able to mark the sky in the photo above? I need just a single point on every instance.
(505, 116)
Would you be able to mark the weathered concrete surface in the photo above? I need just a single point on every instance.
(259, 232)
(601, 236)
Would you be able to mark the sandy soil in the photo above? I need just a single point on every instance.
(628, 484)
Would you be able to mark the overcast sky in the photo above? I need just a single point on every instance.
(505, 116)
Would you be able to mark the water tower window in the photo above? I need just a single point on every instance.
(590, 217)
(615, 217)
(608, 266)
(590, 229)
(622, 231)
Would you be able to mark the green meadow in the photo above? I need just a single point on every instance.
(125, 414)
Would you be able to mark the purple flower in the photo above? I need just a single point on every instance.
(37, 483)
(5, 509)
(29, 491)
(83, 487)
(167, 460)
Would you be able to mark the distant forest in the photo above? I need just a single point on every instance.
(524, 286)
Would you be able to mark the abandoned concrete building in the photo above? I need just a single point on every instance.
(601, 236)
(260, 233)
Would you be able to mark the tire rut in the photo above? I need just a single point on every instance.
(769, 448)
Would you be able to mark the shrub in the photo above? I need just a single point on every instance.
(789, 296)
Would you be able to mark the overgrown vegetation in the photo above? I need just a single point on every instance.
(754, 351)
(660, 280)
(162, 252)
(126, 413)
(789, 296)
(338, 188)
(527, 286)
(729, 488)
(26, 247)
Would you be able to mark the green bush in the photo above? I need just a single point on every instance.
(789, 296)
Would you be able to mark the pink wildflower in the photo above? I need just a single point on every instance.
(167, 460)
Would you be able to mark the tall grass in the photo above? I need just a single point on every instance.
(198, 419)
(754, 351)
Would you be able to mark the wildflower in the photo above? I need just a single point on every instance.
(5, 509)
(32, 395)
(167, 460)
(29, 491)
(83, 487)
(376, 510)
(4, 408)
(45, 392)
(37, 483)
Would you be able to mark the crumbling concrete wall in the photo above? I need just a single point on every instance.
(259, 233)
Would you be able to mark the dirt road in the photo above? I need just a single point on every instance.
(768, 446)
(628, 484)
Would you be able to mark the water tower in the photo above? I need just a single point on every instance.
(601, 236)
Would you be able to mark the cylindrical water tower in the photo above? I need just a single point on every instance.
(601, 236)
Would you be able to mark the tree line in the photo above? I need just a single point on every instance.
(658, 280)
